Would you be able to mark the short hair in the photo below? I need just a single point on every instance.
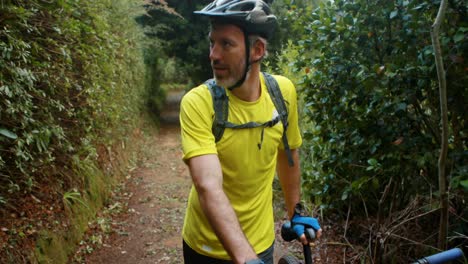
(255, 38)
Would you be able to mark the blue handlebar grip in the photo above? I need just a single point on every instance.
(445, 256)
(442, 257)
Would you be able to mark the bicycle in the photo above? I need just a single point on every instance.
(288, 234)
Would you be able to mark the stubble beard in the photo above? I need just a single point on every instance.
(232, 76)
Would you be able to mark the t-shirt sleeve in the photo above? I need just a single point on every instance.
(290, 96)
(196, 118)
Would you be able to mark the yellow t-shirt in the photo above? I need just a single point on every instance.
(248, 170)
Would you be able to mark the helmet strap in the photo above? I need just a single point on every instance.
(247, 63)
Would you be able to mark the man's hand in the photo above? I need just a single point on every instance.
(300, 222)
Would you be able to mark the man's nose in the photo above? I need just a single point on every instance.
(215, 53)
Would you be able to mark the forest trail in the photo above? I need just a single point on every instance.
(154, 197)
(148, 230)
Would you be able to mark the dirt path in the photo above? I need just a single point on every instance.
(151, 205)
(152, 202)
(149, 230)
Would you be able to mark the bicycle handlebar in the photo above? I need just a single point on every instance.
(441, 257)
(288, 234)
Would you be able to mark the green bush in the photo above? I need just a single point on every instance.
(72, 81)
(372, 98)
(371, 101)
(71, 78)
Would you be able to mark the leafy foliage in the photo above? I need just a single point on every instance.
(369, 85)
(175, 49)
(371, 94)
(287, 28)
(180, 37)
(71, 77)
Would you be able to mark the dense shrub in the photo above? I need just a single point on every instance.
(71, 78)
(179, 40)
(370, 89)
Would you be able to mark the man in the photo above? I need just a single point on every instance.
(229, 216)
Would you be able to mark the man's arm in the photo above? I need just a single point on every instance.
(208, 180)
(290, 179)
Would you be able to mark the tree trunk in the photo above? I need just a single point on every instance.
(443, 225)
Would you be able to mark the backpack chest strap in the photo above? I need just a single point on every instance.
(221, 112)
(270, 123)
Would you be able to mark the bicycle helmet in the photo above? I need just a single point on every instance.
(253, 16)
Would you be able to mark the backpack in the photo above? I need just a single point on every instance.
(221, 109)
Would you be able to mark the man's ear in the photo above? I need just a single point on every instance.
(258, 51)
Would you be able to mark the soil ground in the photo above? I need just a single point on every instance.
(147, 228)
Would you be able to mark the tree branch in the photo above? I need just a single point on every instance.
(443, 225)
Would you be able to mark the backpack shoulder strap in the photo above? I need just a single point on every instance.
(278, 101)
(221, 109)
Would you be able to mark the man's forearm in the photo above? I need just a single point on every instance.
(290, 179)
(208, 180)
(224, 222)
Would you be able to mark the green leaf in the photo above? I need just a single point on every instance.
(459, 37)
(393, 14)
(348, 19)
(372, 162)
(317, 22)
(8, 133)
(373, 165)
(401, 107)
(345, 194)
(420, 6)
(464, 184)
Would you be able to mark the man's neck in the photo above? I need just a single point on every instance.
(250, 90)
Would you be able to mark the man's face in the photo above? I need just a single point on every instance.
(227, 54)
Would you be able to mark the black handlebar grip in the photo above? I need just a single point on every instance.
(307, 254)
(287, 232)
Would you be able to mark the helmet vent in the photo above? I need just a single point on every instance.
(252, 16)
(248, 7)
(221, 2)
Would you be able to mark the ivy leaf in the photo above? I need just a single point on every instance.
(373, 165)
(8, 133)
(372, 162)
